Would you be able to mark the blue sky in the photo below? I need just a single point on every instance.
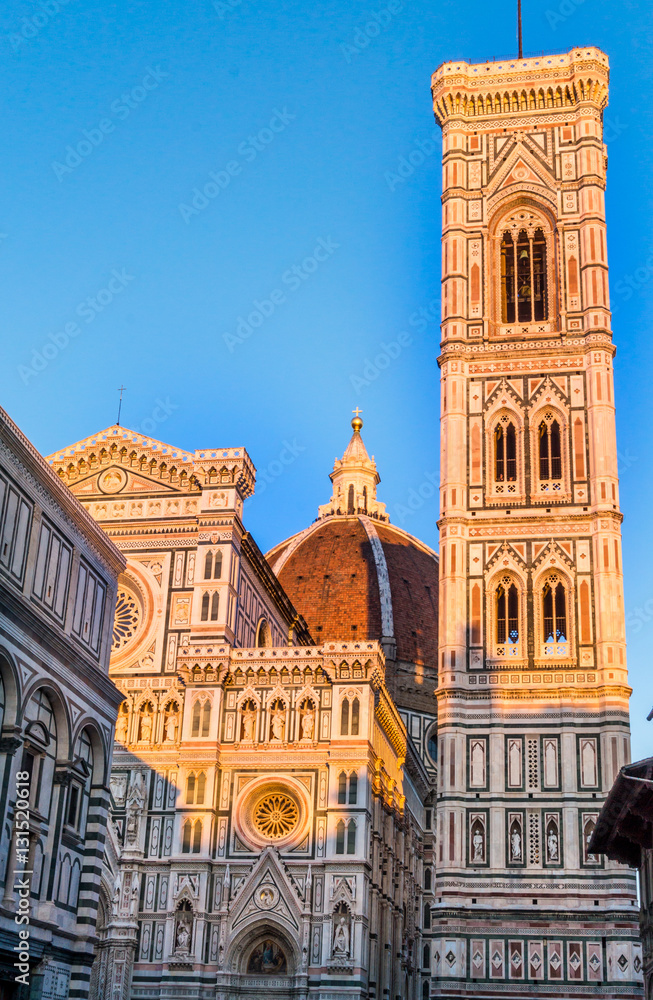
(297, 117)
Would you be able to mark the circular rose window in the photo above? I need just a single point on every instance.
(273, 810)
(126, 620)
(276, 815)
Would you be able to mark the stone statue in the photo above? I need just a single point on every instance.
(308, 723)
(122, 723)
(115, 901)
(478, 845)
(182, 940)
(171, 727)
(515, 846)
(278, 724)
(341, 937)
(135, 803)
(249, 724)
(552, 844)
(146, 726)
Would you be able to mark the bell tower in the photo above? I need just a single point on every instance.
(532, 692)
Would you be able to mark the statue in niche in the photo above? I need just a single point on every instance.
(135, 803)
(278, 723)
(145, 735)
(182, 934)
(478, 843)
(515, 843)
(115, 901)
(171, 724)
(122, 723)
(552, 843)
(249, 722)
(341, 933)
(308, 721)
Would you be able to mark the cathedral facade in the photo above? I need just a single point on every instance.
(268, 804)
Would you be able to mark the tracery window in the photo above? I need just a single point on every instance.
(205, 607)
(550, 453)
(505, 451)
(347, 727)
(554, 617)
(201, 719)
(345, 782)
(195, 788)
(215, 604)
(523, 277)
(507, 613)
(213, 569)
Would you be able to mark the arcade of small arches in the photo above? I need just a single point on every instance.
(473, 106)
(153, 467)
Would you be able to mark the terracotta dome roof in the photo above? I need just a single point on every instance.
(355, 576)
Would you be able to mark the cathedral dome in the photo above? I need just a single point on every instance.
(353, 575)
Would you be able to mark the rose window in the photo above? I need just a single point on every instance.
(276, 815)
(127, 619)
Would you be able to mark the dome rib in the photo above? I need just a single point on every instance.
(385, 593)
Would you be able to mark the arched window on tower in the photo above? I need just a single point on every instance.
(195, 719)
(342, 788)
(208, 565)
(217, 567)
(365, 499)
(205, 608)
(350, 499)
(554, 617)
(206, 718)
(505, 452)
(550, 453)
(340, 837)
(507, 617)
(344, 717)
(355, 716)
(351, 837)
(215, 604)
(523, 278)
(197, 837)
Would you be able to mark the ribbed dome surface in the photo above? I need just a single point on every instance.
(355, 577)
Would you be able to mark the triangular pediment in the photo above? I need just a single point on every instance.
(115, 481)
(553, 555)
(268, 891)
(507, 558)
(521, 173)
